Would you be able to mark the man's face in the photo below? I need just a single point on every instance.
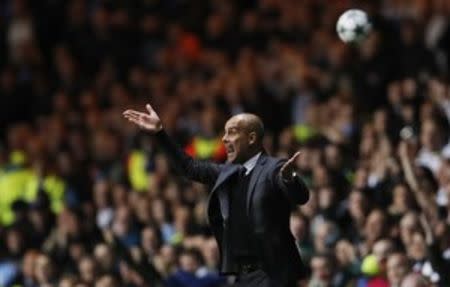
(237, 140)
(397, 268)
(188, 263)
(375, 224)
(87, 270)
(321, 269)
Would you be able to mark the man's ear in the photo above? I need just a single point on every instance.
(252, 138)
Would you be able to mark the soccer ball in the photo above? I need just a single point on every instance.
(353, 26)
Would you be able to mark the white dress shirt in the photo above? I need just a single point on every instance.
(251, 163)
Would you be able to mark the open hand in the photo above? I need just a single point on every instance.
(288, 169)
(148, 121)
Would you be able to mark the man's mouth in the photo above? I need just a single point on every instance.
(229, 149)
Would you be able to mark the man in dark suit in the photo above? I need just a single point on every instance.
(250, 201)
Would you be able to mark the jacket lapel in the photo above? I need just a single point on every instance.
(254, 179)
(224, 200)
(223, 196)
(232, 168)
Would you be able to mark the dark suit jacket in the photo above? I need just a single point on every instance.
(269, 202)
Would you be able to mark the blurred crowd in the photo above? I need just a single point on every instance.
(87, 199)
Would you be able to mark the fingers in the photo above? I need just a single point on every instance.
(133, 116)
(133, 119)
(295, 156)
(149, 109)
(288, 165)
(283, 168)
(136, 113)
(132, 112)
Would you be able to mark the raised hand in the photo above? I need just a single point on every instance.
(148, 121)
(287, 171)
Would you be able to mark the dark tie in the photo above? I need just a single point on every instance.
(241, 172)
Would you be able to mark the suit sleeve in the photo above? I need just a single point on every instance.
(197, 170)
(295, 190)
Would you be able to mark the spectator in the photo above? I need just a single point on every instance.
(105, 258)
(188, 273)
(397, 268)
(44, 271)
(106, 281)
(414, 280)
(322, 271)
(88, 270)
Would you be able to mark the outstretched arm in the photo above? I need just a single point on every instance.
(201, 171)
(289, 181)
(423, 198)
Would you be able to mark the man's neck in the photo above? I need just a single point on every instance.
(250, 155)
(250, 164)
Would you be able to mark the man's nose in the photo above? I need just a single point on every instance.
(224, 138)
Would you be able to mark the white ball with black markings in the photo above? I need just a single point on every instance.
(353, 26)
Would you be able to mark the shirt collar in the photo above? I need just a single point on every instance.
(251, 163)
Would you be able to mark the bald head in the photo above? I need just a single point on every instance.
(251, 123)
(243, 137)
